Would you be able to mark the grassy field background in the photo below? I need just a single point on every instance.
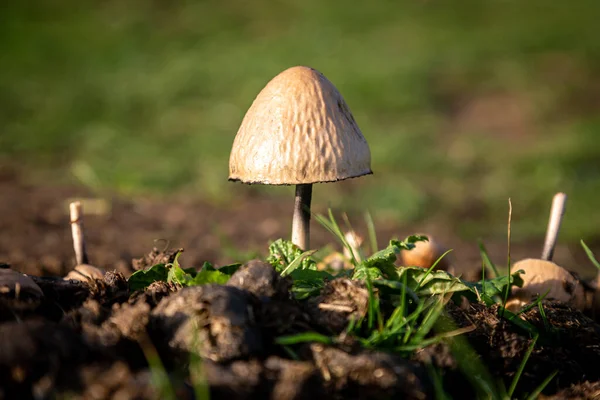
(464, 104)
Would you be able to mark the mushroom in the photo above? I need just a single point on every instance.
(15, 286)
(83, 271)
(425, 254)
(299, 131)
(542, 275)
(337, 261)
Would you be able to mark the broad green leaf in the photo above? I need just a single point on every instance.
(143, 278)
(294, 265)
(283, 252)
(205, 277)
(229, 269)
(226, 269)
(189, 277)
(308, 282)
(381, 264)
(491, 288)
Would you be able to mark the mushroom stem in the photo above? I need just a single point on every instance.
(301, 219)
(556, 214)
(77, 233)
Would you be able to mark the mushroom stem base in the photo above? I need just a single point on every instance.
(301, 219)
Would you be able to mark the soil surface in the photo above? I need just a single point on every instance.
(35, 236)
(96, 340)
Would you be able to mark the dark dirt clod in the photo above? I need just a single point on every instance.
(261, 279)
(291, 380)
(340, 301)
(235, 380)
(113, 288)
(114, 381)
(369, 374)
(127, 323)
(569, 345)
(155, 292)
(214, 321)
(60, 296)
(277, 318)
(35, 355)
(155, 257)
(582, 391)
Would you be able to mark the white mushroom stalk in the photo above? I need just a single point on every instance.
(299, 131)
(81, 256)
(542, 275)
(556, 215)
(301, 218)
(83, 271)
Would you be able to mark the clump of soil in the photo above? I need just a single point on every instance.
(96, 340)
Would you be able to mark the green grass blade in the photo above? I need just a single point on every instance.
(509, 286)
(535, 394)
(431, 269)
(438, 386)
(303, 338)
(297, 262)
(198, 379)
(372, 232)
(486, 259)
(332, 226)
(291, 353)
(519, 372)
(160, 377)
(590, 255)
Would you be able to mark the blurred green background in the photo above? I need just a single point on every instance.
(464, 103)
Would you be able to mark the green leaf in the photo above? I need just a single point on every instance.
(381, 264)
(590, 255)
(425, 282)
(226, 269)
(207, 266)
(206, 277)
(229, 269)
(283, 252)
(143, 278)
(308, 282)
(189, 277)
(303, 338)
(294, 265)
(491, 288)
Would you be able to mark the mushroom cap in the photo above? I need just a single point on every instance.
(16, 283)
(299, 130)
(425, 254)
(541, 276)
(85, 272)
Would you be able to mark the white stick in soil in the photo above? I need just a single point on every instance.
(77, 232)
(556, 215)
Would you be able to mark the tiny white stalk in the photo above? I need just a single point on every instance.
(83, 271)
(76, 212)
(556, 215)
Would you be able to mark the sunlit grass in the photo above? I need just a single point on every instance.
(149, 97)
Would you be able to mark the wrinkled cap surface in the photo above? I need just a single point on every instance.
(298, 130)
(545, 276)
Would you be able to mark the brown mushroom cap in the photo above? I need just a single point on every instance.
(85, 272)
(298, 130)
(425, 254)
(17, 284)
(541, 276)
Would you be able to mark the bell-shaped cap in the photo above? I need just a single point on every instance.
(298, 130)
